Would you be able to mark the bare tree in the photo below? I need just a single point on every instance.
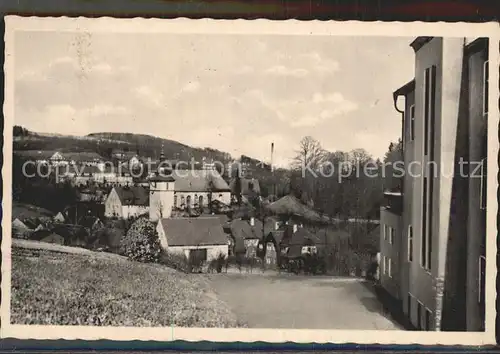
(310, 153)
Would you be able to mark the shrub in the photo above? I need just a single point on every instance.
(220, 262)
(141, 242)
(195, 264)
(177, 261)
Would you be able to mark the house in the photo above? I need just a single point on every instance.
(90, 222)
(197, 188)
(19, 229)
(113, 175)
(48, 236)
(290, 206)
(298, 241)
(201, 237)
(433, 233)
(85, 158)
(246, 235)
(250, 187)
(59, 217)
(18, 224)
(74, 235)
(127, 201)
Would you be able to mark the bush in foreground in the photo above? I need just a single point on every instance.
(141, 242)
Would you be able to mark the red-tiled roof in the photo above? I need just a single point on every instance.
(201, 231)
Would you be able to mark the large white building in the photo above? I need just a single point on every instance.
(433, 234)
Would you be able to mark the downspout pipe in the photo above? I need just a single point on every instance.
(395, 96)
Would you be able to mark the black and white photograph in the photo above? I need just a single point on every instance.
(250, 180)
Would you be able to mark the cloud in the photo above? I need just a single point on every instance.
(191, 86)
(281, 70)
(104, 110)
(150, 95)
(244, 70)
(330, 106)
(321, 64)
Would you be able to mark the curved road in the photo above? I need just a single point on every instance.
(272, 300)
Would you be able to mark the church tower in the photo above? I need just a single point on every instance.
(161, 197)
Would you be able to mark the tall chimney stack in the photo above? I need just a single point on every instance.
(272, 156)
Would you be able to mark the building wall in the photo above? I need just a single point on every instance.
(212, 251)
(224, 197)
(421, 281)
(129, 211)
(408, 188)
(426, 286)
(390, 252)
(113, 205)
(161, 200)
(476, 228)
(449, 104)
(251, 247)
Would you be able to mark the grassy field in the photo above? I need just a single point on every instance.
(51, 288)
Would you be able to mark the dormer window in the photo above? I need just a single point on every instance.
(412, 122)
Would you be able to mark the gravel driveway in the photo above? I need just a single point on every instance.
(300, 302)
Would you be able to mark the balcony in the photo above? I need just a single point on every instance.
(393, 202)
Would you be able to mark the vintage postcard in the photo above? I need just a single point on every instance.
(250, 181)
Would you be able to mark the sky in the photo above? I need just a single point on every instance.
(237, 93)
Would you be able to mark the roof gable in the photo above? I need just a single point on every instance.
(201, 231)
(133, 195)
(198, 181)
(248, 186)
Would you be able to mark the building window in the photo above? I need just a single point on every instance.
(429, 109)
(428, 186)
(485, 86)
(175, 200)
(428, 319)
(188, 201)
(199, 255)
(391, 235)
(200, 201)
(183, 201)
(384, 264)
(427, 214)
(484, 180)
(389, 267)
(410, 243)
(481, 282)
(412, 122)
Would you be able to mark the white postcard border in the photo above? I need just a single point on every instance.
(289, 27)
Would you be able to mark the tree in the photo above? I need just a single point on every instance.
(237, 187)
(393, 160)
(141, 243)
(310, 153)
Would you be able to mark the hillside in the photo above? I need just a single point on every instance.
(54, 288)
(105, 142)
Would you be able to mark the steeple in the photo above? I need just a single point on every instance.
(162, 154)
